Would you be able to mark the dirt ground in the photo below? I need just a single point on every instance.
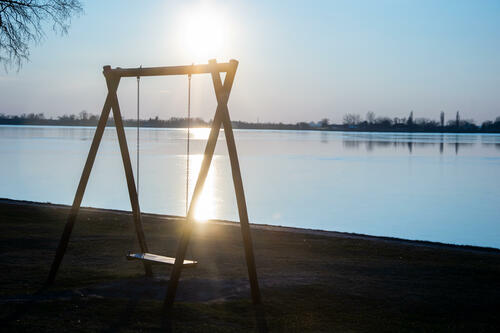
(310, 280)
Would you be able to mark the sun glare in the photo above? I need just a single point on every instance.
(203, 33)
(200, 133)
(206, 207)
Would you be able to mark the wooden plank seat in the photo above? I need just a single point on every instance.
(154, 258)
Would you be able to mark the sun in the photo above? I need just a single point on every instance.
(203, 32)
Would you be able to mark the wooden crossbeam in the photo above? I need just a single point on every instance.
(171, 70)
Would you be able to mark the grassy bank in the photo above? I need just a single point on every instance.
(310, 281)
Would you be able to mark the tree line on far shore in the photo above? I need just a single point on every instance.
(351, 122)
(86, 119)
(411, 124)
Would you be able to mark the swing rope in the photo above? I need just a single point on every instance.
(190, 250)
(138, 129)
(188, 138)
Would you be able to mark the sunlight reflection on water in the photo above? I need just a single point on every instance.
(206, 208)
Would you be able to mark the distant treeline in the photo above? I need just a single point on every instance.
(351, 122)
(372, 123)
(85, 119)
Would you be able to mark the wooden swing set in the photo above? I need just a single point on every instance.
(221, 118)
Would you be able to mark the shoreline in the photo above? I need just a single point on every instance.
(347, 130)
(267, 227)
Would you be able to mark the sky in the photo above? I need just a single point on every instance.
(298, 60)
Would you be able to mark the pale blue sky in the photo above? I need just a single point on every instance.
(299, 60)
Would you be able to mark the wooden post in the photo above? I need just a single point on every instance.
(111, 102)
(240, 193)
(205, 166)
(221, 117)
(63, 243)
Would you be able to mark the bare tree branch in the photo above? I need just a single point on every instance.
(21, 23)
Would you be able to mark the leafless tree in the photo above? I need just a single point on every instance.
(351, 119)
(384, 121)
(84, 115)
(324, 122)
(370, 117)
(410, 119)
(22, 22)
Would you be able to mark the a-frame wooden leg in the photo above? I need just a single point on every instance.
(205, 166)
(111, 102)
(63, 243)
(240, 197)
(134, 200)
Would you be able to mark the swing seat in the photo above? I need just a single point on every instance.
(159, 259)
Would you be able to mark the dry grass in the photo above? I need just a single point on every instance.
(309, 282)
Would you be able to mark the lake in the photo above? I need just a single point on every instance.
(437, 187)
